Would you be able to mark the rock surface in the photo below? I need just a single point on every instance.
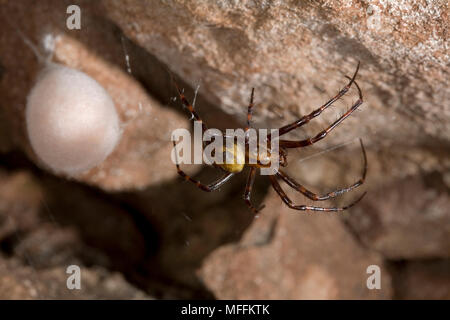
(20, 199)
(21, 282)
(140, 159)
(295, 54)
(190, 225)
(423, 280)
(407, 220)
(38, 242)
(290, 255)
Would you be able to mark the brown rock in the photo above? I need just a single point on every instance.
(190, 223)
(101, 222)
(51, 245)
(22, 282)
(291, 255)
(20, 200)
(422, 280)
(142, 156)
(47, 224)
(405, 220)
(296, 56)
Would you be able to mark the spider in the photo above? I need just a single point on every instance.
(231, 169)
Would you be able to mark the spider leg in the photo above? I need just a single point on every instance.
(295, 185)
(283, 157)
(191, 109)
(249, 111)
(323, 133)
(208, 188)
(315, 113)
(248, 190)
(289, 203)
(188, 105)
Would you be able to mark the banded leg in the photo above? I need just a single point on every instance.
(249, 111)
(323, 134)
(191, 109)
(295, 185)
(208, 188)
(248, 191)
(283, 157)
(304, 120)
(289, 203)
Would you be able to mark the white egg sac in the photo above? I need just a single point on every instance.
(71, 120)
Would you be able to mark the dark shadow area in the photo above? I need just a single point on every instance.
(426, 274)
(157, 238)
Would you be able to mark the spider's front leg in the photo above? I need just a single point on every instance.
(191, 110)
(208, 188)
(304, 120)
(249, 111)
(323, 134)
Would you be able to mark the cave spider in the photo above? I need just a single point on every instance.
(231, 169)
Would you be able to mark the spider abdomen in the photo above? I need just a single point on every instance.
(233, 159)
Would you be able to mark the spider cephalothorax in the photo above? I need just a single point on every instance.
(242, 156)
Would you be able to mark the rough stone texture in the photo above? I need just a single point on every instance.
(190, 225)
(20, 198)
(38, 241)
(423, 280)
(21, 282)
(295, 54)
(407, 220)
(102, 223)
(143, 151)
(72, 224)
(141, 157)
(284, 255)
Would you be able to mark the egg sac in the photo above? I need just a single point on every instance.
(71, 120)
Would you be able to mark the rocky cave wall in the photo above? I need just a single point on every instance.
(182, 243)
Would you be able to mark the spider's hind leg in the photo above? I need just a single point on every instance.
(291, 205)
(248, 191)
(296, 186)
